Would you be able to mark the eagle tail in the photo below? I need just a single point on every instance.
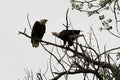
(35, 43)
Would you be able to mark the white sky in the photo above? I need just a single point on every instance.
(16, 51)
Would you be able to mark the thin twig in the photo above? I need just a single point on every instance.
(96, 40)
(29, 21)
(109, 51)
(23, 33)
(67, 26)
(53, 56)
(115, 15)
(51, 66)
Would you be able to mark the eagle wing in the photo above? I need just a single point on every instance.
(65, 35)
(38, 30)
(37, 33)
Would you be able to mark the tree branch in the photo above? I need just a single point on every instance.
(29, 21)
(81, 70)
(67, 26)
(101, 64)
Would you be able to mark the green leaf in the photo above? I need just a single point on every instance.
(109, 20)
(90, 5)
(109, 28)
(100, 28)
(106, 8)
(90, 13)
(101, 17)
(104, 23)
(118, 56)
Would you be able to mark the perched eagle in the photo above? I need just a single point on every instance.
(38, 31)
(67, 36)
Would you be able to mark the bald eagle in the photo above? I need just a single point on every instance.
(67, 36)
(38, 31)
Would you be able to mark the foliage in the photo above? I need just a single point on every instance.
(92, 7)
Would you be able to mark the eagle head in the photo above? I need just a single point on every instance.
(43, 21)
(55, 34)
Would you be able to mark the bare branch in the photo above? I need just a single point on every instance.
(115, 15)
(29, 21)
(116, 48)
(67, 26)
(24, 33)
(81, 70)
(104, 64)
(96, 40)
(53, 55)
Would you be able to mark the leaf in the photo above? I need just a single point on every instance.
(109, 20)
(100, 28)
(118, 56)
(109, 28)
(90, 13)
(104, 23)
(90, 5)
(101, 17)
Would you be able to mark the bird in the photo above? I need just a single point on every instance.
(38, 31)
(67, 36)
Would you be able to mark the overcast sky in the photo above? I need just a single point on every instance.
(16, 51)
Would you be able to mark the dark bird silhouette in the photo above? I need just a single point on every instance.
(38, 32)
(67, 36)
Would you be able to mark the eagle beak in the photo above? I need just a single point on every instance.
(46, 20)
(53, 33)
